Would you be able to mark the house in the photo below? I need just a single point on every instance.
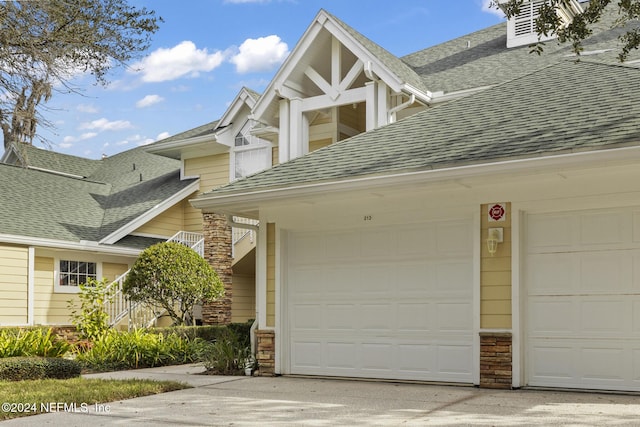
(65, 219)
(469, 213)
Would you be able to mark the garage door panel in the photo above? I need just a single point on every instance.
(552, 274)
(551, 316)
(414, 317)
(338, 317)
(606, 272)
(605, 228)
(605, 317)
(454, 317)
(398, 312)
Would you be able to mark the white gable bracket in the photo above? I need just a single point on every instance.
(319, 81)
(351, 76)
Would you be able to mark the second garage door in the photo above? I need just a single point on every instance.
(583, 299)
(387, 302)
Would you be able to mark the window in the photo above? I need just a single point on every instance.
(74, 273)
(251, 153)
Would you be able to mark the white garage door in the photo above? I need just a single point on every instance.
(382, 303)
(583, 311)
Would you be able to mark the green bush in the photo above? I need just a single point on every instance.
(210, 333)
(92, 320)
(229, 355)
(31, 342)
(174, 277)
(140, 349)
(36, 368)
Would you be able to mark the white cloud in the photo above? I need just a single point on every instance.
(181, 60)
(86, 108)
(104, 124)
(162, 135)
(149, 100)
(261, 54)
(65, 145)
(84, 136)
(489, 7)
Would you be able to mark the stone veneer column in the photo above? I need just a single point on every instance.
(266, 352)
(496, 360)
(218, 253)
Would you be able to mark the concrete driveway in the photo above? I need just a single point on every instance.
(260, 401)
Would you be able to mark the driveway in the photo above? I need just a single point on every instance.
(282, 401)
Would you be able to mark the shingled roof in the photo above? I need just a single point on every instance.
(113, 192)
(562, 108)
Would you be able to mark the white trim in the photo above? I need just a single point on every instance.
(83, 245)
(516, 303)
(261, 274)
(151, 213)
(55, 172)
(477, 238)
(31, 286)
(538, 164)
(279, 305)
(243, 97)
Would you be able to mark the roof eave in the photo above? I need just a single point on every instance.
(151, 213)
(83, 245)
(239, 202)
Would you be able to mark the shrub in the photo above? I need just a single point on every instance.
(173, 276)
(31, 342)
(36, 368)
(229, 355)
(210, 333)
(92, 320)
(140, 349)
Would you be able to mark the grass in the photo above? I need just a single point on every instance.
(34, 397)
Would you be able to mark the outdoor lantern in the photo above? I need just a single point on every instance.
(495, 236)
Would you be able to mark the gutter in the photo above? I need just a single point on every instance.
(216, 201)
(83, 245)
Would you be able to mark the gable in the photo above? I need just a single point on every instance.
(550, 112)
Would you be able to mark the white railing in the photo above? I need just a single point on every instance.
(238, 234)
(118, 306)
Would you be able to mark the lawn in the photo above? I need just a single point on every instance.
(23, 398)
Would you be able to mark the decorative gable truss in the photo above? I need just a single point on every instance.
(331, 87)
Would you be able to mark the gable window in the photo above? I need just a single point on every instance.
(251, 153)
(71, 272)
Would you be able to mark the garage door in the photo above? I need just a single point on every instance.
(583, 288)
(382, 303)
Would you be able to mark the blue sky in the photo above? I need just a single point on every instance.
(206, 50)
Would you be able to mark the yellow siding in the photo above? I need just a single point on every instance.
(495, 276)
(166, 224)
(274, 156)
(212, 170)
(355, 118)
(271, 274)
(316, 145)
(111, 271)
(50, 308)
(243, 307)
(14, 273)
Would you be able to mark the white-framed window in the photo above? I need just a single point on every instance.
(70, 272)
(251, 154)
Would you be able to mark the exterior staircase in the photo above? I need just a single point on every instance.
(123, 312)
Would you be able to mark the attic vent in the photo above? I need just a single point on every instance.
(521, 29)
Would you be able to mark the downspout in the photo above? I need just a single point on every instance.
(394, 110)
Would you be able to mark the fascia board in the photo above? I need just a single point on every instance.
(241, 99)
(227, 202)
(292, 60)
(182, 143)
(391, 79)
(85, 246)
(151, 214)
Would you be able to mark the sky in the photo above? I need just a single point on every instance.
(207, 50)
